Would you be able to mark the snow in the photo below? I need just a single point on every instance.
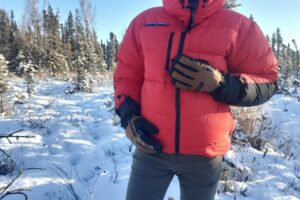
(78, 142)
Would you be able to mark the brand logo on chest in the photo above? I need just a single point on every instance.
(156, 24)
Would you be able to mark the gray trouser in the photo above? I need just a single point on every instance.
(151, 175)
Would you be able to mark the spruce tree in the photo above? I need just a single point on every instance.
(3, 82)
(67, 48)
(297, 53)
(288, 54)
(89, 49)
(231, 4)
(279, 41)
(112, 49)
(4, 34)
(286, 60)
(104, 49)
(100, 62)
(55, 62)
(29, 71)
(80, 58)
(274, 41)
(15, 43)
(69, 41)
(12, 37)
(18, 63)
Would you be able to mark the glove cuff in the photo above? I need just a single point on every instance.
(221, 84)
(128, 109)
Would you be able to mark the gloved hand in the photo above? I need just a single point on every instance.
(138, 131)
(194, 74)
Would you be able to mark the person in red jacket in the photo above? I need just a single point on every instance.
(180, 67)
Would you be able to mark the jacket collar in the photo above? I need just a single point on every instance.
(204, 10)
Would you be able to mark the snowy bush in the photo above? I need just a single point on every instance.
(29, 71)
(36, 122)
(245, 119)
(84, 83)
(20, 98)
(18, 63)
(115, 120)
(6, 163)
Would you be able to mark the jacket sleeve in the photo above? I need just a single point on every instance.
(129, 74)
(252, 65)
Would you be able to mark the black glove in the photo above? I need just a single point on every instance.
(137, 128)
(139, 131)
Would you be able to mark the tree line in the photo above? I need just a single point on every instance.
(47, 45)
(288, 56)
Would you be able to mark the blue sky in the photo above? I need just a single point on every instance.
(115, 15)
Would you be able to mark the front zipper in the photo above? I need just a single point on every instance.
(177, 95)
(169, 50)
(177, 99)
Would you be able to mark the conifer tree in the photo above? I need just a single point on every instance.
(3, 84)
(288, 53)
(286, 60)
(279, 41)
(70, 31)
(100, 62)
(297, 53)
(93, 51)
(69, 43)
(231, 4)
(29, 71)
(55, 59)
(274, 41)
(90, 51)
(80, 59)
(14, 41)
(104, 49)
(18, 63)
(4, 34)
(112, 49)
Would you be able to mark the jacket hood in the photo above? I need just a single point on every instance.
(204, 10)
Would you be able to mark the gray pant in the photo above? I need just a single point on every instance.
(151, 175)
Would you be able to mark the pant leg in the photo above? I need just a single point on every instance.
(149, 179)
(198, 177)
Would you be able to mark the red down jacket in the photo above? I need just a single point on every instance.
(191, 122)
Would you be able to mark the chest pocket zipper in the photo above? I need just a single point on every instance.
(169, 50)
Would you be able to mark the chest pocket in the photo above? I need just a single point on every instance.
(154, 37)
(155, 41)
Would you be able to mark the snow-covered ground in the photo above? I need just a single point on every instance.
(79, 146)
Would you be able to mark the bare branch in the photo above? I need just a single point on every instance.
(34, 168)
(66, 178)
(14, 193)
(5, 153)
(17, 136)
(11, 135)
(12, 182)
